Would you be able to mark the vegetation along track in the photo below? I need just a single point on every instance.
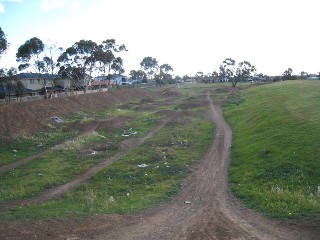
(125, 147)
(204, 208)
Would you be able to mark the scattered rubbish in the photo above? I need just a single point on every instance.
(92, 153)
(187, 202)
(143, 165)
(40, 174)
(128, 194)
(14, 151)
(56, 119)
(127, 133)
(111, 199)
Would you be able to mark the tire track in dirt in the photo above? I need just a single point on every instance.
(126, 147)
(205, 207)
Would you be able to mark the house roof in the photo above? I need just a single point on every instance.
(37, 75)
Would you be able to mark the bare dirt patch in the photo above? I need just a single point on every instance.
(35, 116)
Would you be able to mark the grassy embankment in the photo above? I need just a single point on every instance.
(276, 149)
(149, 175)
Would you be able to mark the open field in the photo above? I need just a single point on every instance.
(154, 165)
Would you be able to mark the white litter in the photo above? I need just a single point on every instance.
(143, 165)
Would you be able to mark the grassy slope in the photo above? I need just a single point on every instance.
(276, 150)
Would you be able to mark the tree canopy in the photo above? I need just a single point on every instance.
(3, 42)
(150, 65)
(235, 73)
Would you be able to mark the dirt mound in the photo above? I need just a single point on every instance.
(25, 118)
(169, 92)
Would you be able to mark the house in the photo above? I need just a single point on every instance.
(36, 81)
(98, 84)
(120, 79)
(313, 77)
(116, 79)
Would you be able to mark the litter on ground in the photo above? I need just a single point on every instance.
(127, 133)
(56, 119)
(143, 165)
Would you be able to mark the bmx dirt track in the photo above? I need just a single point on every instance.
(204, 209)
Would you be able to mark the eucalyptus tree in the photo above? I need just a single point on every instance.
(138, 75)
(287, 75)
(41, 58)
(79, 61)
(164, 75)
(235, 73)
(150, 66)
(29, 55)
(117, 65)
(106, 57)
(4, 45)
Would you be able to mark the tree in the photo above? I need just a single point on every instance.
(303, 75)
(234, 73)
(8, 80)
(287, 75)
(164, 76)
(150, 65)
(215, 76)
(20, 89)
(78, 61)
(117, 65)
(106, 58)
(50, 58)
(29, 55)
(3, 42)
(243, 72)
(138, 75)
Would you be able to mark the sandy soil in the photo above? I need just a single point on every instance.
(204, 209)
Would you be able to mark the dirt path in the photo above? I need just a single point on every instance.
(205, 209)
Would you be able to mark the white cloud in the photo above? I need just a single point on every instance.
(71, 5)
(1, 8)
(47, 5)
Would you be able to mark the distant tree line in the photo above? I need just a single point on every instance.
(86, 58)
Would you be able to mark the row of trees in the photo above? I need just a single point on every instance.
(229, 71)
(86, 57)
(81, 60)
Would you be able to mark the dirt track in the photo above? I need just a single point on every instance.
(204, 209)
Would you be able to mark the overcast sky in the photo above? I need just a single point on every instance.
(190, 35)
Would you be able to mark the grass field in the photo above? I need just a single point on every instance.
(149, 175)
(275, 165)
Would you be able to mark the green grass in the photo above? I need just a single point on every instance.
(15, 150)
(124, 187)
(276, 148)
